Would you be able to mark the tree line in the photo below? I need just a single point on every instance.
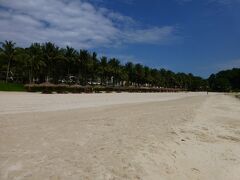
(47, 62)
(225, 81)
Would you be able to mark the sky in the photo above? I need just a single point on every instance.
(192, 36)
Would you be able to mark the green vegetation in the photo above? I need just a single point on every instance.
(46, 62)
(225, 81)
(50, 88)
(11, 87)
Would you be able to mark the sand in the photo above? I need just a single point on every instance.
(119, 136)
(36, 102)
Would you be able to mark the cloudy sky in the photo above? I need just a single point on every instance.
(197, 36)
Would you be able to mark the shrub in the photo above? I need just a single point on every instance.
(63, 88)
(11, 87)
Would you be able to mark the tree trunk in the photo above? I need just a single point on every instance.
(31, 71)
(8, 69)
(31, 75)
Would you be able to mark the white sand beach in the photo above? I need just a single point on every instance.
(37, 102)
(119, 136)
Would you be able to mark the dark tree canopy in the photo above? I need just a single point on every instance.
(224, 81)
(46, 62)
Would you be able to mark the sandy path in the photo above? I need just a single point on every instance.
(195, 137)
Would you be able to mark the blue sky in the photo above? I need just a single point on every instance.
(197, 36)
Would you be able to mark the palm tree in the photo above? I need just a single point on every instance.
(29, 63)
(103, 69)
(50, 52)
(114, 68)
(70, 55)
(94, 66)
(8, 50)
(84, 64)
(123, 76)
(139, 74)
(36, 60)
(147, 76)
(129, 66)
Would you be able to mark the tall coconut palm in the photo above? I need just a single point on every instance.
(21, 65)
(70, 55)
(48, 61)
(94, 66)
(36, 62)
(103, 69)
(8, 50)
(139, 74)
(114, 68)
(84, 64)
(147, 76)
(129, 66)
(50, 54)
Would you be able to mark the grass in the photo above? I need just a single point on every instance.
(11, 87)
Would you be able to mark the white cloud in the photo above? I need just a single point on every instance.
(75, 22)
(152, 35)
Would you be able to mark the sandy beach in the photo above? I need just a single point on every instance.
(162, 136)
